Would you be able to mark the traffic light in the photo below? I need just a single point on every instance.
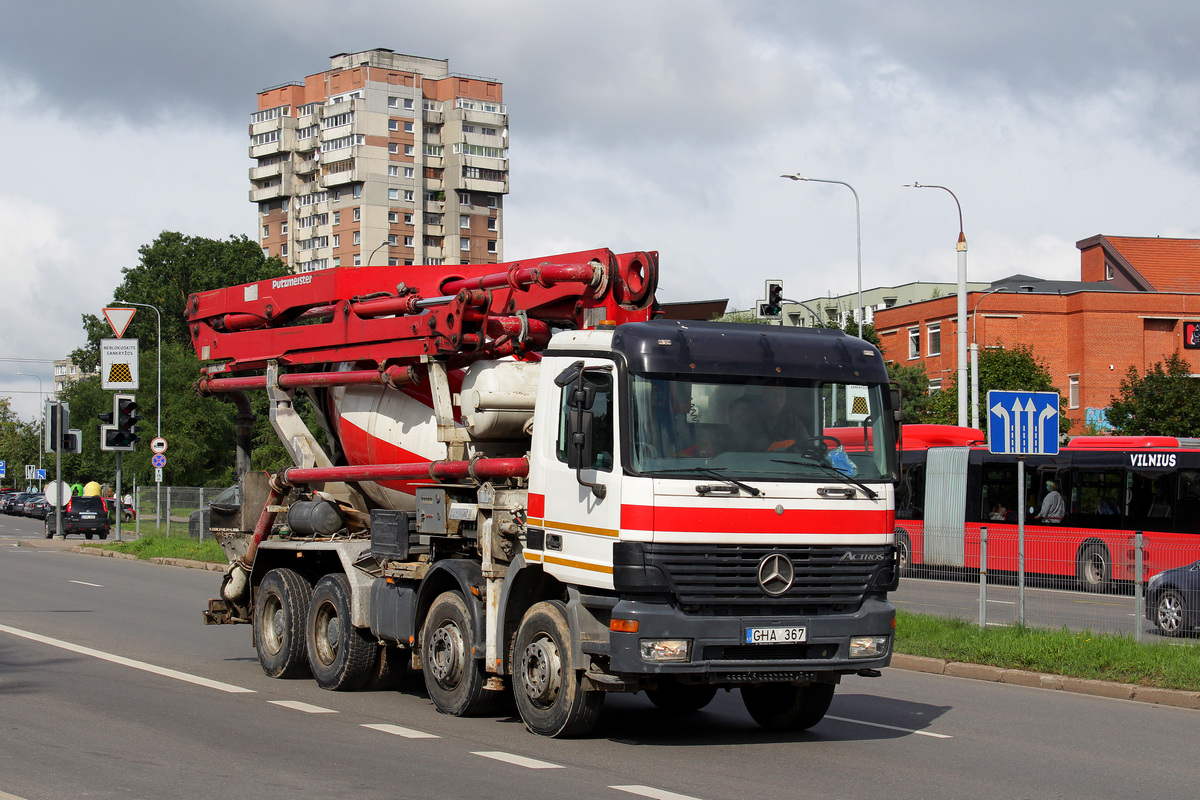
(54, 425)
(121, 431)
(773, 308)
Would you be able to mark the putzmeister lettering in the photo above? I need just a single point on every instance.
(283, 283)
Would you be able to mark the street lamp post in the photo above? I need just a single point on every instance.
(975, 356)
(858, 226)
(373, 252)
(43, 411)
(961, 247)
(157, 404)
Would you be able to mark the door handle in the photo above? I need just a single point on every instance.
(844, 492)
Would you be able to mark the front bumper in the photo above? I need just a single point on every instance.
(719, 654)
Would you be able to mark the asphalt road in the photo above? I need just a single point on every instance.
(110, 687)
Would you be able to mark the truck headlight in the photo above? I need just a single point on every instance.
(868, 646)
(665, 649)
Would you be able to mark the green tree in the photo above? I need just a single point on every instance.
(914, 391)
(20, 443)
(1166, 402)
(1008, 369)
(200, 430)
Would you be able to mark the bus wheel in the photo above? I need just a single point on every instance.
(1093, 568)
(783, 707)
(547, 685)
(454, 678)
(903, 552)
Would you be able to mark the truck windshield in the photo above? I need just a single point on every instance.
(760, 430)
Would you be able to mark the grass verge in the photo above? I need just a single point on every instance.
(155, 546)
(1095, 656)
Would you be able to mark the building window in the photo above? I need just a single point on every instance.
(283, 250)
(393, 124)
(492, 246)
(935, 385)
(266, 252)
(358, 260)
(464, 244)
(357, 238)
(935, 338)
(408, 149)
(283, 229)
(337, 262)
(393, 171)
(408, 172)
(266, 231)
(408, 104)
(393, 194)
(408, 195)
(337, 240)
(393, 217)
(393, 102)
(1108, 271)
(408, 127)
(394, 148)
(408, 241)
(491, 225)
(914, 343)
(357, 214)
(357, 190)
(391, 240)
(464, 221)
(1073, 392)
(407, 217)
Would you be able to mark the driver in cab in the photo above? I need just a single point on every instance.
(767, 424)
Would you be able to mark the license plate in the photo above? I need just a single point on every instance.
(87, 516)
(776, 635)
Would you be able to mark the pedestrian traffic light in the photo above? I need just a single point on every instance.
(773, 307)
(121, 433)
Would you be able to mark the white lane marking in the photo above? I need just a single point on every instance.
(650, 791)
(520, 761)
(296, 705)
(7, 796)
(126, 662)
(85, 583)
(890, 727)
(407, 733)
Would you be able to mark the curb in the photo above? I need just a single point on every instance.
(170, 562)
(1019, 677)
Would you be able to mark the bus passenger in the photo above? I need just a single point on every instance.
(1053, 507)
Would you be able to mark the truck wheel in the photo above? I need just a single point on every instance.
(676, 697)
(783, 707)
(547, 684)
(341, 656)
(454, 678)
(390, 669)
(1093, 568)
(280, 610)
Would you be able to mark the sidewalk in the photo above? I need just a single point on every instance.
(933, 666)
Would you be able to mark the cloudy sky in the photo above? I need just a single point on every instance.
(635, 125)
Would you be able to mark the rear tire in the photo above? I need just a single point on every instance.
(87, 535)
(390, 669)
(903, 552)
(454, 678)
(280, 611)
(783, 707)
(49, 533)
(1093, 568)
(680, 698)
(547, 683)
(341, 656)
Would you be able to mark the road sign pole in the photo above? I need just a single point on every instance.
(120, 504)
(1021, 539)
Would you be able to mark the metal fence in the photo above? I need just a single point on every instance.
(168, 509)
(1125, 584)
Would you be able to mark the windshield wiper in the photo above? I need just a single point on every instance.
(712, 473)
(871, 493)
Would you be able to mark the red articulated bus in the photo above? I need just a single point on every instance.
(1111, 487)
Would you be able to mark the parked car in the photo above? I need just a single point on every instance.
(41, 508)
(29, 506)
(86, 515)
(1173, 600)
(11, 504)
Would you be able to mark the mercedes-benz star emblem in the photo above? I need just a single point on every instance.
(775, 574)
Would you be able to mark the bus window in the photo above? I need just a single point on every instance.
(1042, 483)
(1149, 501)
(998, 493)
(910, 494)
(1187, 510)
(1096, 498)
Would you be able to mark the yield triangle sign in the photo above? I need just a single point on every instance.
(119, 319)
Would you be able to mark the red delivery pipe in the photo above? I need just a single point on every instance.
(480, 469)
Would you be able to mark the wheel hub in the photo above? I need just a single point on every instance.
(447, 656)
(333, 633)
(541, 669)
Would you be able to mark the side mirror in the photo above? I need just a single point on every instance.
(580, 449)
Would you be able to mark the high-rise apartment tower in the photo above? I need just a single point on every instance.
(382, 159)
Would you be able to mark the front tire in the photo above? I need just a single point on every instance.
(280, 611)
(1093, 568)
(341, 656)
(783, 707)
(454, 678)
(680, 698)
(1170, 613)
(903, 552)
(547, 683)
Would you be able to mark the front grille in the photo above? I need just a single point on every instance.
(724, 578)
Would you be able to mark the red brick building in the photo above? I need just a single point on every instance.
(1128, 310)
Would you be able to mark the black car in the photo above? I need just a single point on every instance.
(86, 515)
(11, 503)
(32, 506)
(1173, 600)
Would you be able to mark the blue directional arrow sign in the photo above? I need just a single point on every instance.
(3, 468)
(1023, 423)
